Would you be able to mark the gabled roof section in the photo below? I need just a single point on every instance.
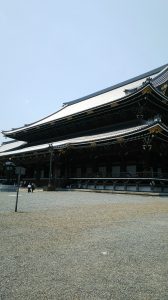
(103, 97)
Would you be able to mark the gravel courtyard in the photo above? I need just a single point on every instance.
(83, 245)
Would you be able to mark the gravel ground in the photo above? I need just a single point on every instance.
(76, 245)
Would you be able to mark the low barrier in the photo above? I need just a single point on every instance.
(8, 188)
(158, 185)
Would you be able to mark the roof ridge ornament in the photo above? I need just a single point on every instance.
(157, 118)
(130, 91)
(148, 80)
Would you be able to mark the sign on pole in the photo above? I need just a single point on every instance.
(20, 170)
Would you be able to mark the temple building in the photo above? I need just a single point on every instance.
(114, 139)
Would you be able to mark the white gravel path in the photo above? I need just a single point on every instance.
(76, 245)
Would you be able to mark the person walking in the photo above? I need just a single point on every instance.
(32, 187)
(29, 187)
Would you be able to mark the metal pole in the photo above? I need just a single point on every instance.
(17, 194)
(50, 169)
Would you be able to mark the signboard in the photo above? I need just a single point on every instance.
(20, 170)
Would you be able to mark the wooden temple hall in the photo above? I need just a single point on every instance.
(114, 139)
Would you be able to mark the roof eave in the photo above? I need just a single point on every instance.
(151, 128)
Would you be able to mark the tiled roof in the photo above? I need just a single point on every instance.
(11, 145)
(95, 100)
(150, 74)
(82, 140)
(158, 80)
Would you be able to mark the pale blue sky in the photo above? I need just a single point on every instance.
(56, 51)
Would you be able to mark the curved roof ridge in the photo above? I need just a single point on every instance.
(136, 78)
(102, 97)
(31, 124)
(70, 113)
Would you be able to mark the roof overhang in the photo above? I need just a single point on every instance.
(113, 97)
(27, 132)
(154, 128)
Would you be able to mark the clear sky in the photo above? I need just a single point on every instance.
(54, 51)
